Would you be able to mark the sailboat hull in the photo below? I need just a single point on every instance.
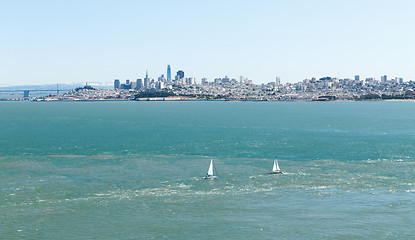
(279, 172)
(210, 177)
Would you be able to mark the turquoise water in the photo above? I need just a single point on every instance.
(133, 170)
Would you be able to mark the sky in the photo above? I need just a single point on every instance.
(60, 41)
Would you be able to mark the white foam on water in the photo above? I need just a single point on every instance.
(319, 187)
(385, 177)
(102, 194)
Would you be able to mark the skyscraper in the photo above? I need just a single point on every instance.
(180, 73)
(146, 81)
(168, 73)
(117, 84)
(139, 84)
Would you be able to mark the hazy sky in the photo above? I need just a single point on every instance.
(61, 41)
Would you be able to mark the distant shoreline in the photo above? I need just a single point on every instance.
(399, 100)
(204, 100)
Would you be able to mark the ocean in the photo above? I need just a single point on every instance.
(134, 170)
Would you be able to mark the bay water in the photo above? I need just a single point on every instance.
(134, 170)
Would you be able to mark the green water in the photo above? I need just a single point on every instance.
(133, 170)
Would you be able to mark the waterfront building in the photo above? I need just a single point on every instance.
(117, 84)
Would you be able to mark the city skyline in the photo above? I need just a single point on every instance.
(156, 76)
(63, 42)
(179, 73)
(226, 89)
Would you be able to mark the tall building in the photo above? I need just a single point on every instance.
(277, 81)
(146, 81)
(180, 74)
(357, 78)
(159, 85)
(117, 84)
(384, 78)
(127, 84)
(168, 73)
(190, 81)
(161, 78)
(139, 84)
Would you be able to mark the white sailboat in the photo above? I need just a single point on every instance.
(210, 174)
(276, 169)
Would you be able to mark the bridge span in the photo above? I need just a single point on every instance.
(26, 92)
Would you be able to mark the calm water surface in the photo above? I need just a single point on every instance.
(133, 170)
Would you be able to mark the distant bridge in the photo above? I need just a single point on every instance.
(26, 92)
(35, 90)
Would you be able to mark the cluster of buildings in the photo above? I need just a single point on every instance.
(347, 88)
(244, 89)
(225, 88)
(160, 83)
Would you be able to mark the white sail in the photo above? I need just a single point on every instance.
(276, 168)
(210, 171)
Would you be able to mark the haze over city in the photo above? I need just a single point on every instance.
(48, 42)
